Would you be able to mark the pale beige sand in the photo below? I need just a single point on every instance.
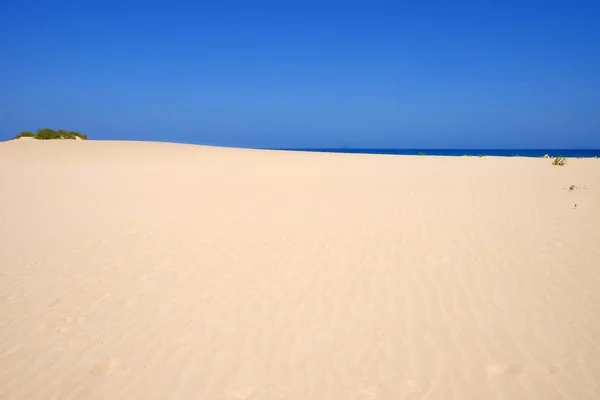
(160, 271)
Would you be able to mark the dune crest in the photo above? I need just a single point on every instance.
(156, 270)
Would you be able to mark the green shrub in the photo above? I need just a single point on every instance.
(47, 134)
(420, 154)
(559, 161)
(65, 135)
(50, 134)
(24, 134)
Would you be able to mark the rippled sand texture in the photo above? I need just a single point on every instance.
(160, 271)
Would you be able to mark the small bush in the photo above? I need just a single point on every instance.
(47, 134)
(66, 135)
(24, 134)
(559, 161)
(50, 134)
(420, 154)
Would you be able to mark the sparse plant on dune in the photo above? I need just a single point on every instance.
(65, 135)
(559, 161)
(47, 134)
(421, 154)
(24, 134)
(50, 134)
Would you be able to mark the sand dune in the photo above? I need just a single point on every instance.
(133, 270)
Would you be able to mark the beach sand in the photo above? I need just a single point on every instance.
(133, 270)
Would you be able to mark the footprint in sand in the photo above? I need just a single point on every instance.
(79, 340)
(243, 393)
(519, 370)
(131, 301)
(415, 386)
(63, 324)
(368, 392)
(104, 368)
(205, 295)
(11, 298)
(5, 352)
(56, 303)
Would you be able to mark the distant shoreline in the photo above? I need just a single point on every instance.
(535, 153)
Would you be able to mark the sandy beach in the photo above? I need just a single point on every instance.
(139, 270)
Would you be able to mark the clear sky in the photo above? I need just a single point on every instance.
(403, 74)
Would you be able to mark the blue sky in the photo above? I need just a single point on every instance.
(404, 74)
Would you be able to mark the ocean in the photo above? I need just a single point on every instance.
(466, 152)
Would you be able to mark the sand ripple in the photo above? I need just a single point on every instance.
(143, 270)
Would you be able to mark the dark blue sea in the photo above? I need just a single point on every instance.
(468, 152)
